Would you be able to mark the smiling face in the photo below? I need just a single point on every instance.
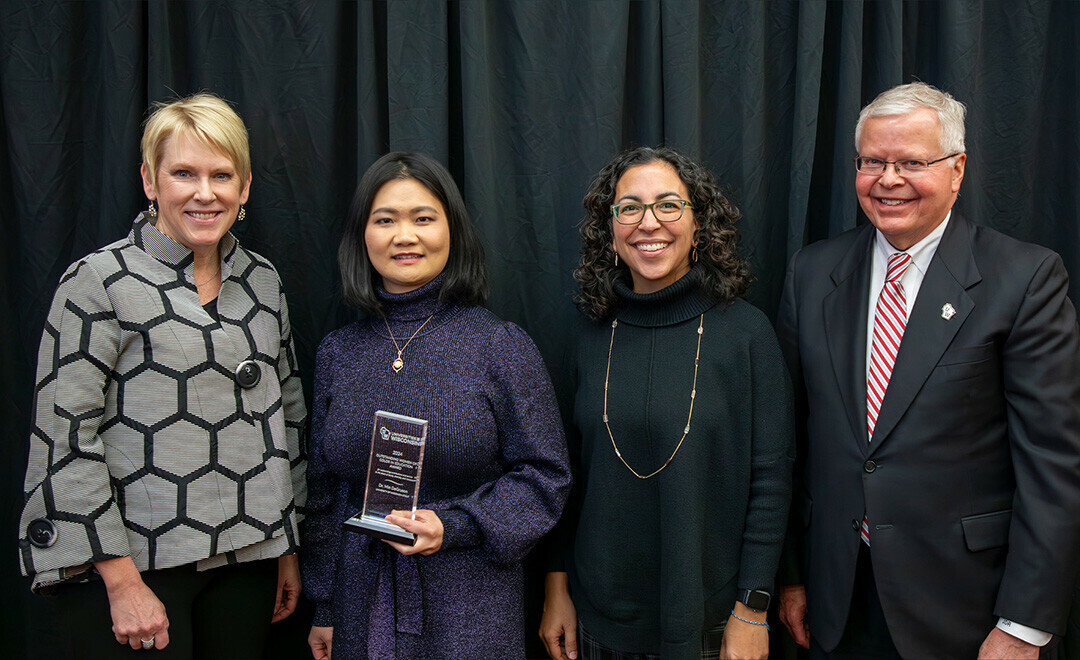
(906, 208)
(198, 192)
(407, 235)
(657, 253)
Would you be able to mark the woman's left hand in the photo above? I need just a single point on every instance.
(288, 587)
(427, 527)
(745, 640)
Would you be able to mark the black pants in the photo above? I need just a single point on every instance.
(220, 613)
(866, 635)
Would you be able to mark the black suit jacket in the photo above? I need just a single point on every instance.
(972, 480)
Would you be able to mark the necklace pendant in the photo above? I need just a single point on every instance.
(398, 364)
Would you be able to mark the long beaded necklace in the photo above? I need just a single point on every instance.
(398, 364)
(693, 394)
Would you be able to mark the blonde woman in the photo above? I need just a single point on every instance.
(165, 471)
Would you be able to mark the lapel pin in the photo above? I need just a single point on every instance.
(948, 311)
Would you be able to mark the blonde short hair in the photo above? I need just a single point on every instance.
(203, 116)
(902, 99)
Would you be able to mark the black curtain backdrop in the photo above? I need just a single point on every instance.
(525, 101)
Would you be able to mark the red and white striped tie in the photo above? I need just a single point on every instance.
(890, 319)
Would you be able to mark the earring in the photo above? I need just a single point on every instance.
(616, 258)
(241, 214)
(152, 210)
(693, 255)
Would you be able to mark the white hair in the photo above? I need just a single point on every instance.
(903, 99)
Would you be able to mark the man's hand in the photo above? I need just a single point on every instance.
(793, 613)
(1000, 645)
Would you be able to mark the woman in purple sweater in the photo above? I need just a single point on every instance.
(495, 472)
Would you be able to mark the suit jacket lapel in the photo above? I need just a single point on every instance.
(950, 273)
(845, 313)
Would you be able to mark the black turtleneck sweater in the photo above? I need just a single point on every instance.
(655, 562)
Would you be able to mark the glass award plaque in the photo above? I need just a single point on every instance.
(393, 478)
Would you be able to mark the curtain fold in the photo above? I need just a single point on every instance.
(524, 100)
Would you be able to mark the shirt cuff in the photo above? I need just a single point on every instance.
(1024, 633)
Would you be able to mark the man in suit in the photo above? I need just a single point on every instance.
(937, 365)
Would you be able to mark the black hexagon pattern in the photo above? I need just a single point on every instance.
(143, 443)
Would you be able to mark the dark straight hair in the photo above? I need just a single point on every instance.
(466, 278)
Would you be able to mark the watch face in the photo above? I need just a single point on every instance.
(757, 600)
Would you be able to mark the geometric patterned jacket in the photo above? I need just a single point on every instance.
(159, 432)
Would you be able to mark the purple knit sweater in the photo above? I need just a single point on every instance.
(495, 472)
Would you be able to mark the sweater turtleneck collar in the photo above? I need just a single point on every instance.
(673, 304)
(419, 303)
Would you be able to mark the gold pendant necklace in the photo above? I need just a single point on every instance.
(693, 393)
(398, 364)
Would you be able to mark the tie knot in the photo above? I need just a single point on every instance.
(898, 265)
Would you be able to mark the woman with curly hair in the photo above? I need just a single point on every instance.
(680, 429)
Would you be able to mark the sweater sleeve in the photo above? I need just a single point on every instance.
(554, 551)
(322, 526)
(772, 454)
(508, 516)
(292, 396)
(67, 487)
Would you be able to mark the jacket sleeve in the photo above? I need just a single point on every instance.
(509, 515)
(772, 453)
(292, 396)
(68, 494)
(1042, 393)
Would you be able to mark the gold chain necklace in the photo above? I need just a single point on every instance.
(398, 364)
(198, 284)
(693, 394)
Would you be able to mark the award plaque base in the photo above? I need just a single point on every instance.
(380, 529)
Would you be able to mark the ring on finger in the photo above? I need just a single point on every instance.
(148, 643)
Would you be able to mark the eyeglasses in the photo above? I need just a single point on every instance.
(664, 210)
(909, 166)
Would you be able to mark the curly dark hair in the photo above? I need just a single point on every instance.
(724, 275)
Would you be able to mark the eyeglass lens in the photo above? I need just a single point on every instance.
(665, 210)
